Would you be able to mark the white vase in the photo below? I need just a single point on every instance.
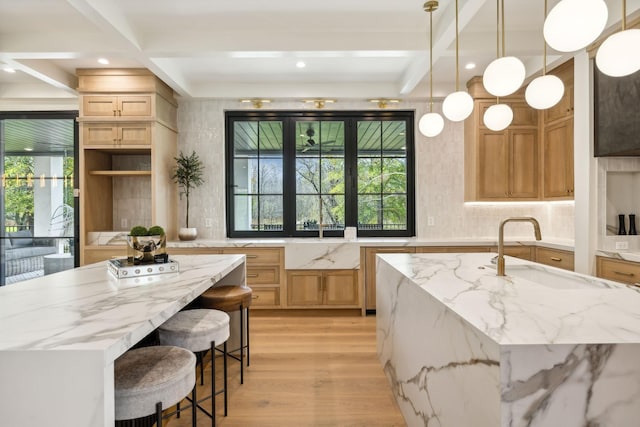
(188, 233)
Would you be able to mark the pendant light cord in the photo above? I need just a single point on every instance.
(502, 10)
(624, 15)
(497, 28)
(457, 53)
(544, 43)
(431, 60)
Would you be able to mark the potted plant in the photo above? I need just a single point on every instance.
(188, 175)
(146, 244)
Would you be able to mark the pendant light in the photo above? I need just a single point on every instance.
(546, 90)
(619, 54)
(505, 74)
(431, 124)
(574, 24)
(458, 105)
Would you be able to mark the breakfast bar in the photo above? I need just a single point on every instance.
(540, 346)
(60, 335)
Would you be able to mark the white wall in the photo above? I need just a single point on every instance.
(439, 178)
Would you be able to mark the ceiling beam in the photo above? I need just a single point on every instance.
(444, 36)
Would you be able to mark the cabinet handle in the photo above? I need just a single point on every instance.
(622, 273)
(255, 297)
(119, 113)
(252, 275)
(555, 258)
(115, 140)
(114, 113)
(251, 256)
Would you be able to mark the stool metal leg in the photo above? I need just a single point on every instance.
(248, 342)
(225, 377)
(159, 414)
(194, 406)
(213, 384)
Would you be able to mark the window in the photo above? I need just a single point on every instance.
(299, 174)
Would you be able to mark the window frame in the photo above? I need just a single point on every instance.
(289, 119)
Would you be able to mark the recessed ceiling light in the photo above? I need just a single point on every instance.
(300, 64)
(103, 61)
(9, 70)
(470, 66)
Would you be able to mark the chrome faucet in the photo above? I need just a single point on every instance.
(536, 229)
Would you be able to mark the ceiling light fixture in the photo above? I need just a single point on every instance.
(458, 105)
(319, 103)
(619, 54)
(470, 66)
(9, 70)
(301, 64)
(257, 102)
(384, 102)
(103, 61)
(573, 24)
(498, 117)
(505, 74)
(431, 124)
(546, 90)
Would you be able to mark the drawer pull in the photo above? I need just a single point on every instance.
(251, 256)
(255, 297)
(252, 275)
(622, 273)
(555, 258)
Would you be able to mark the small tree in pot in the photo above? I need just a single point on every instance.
(188, 175)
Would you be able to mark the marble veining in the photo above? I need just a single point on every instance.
(463, 347)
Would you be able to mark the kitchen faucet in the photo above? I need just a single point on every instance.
(536, 229)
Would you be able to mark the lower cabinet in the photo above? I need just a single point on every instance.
(322, 288)
(522, 252)
(555, 258)
(618, 270)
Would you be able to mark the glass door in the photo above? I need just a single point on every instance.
(38, 221)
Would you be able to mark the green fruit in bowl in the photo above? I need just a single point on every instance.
(139, 230)
(156, 230)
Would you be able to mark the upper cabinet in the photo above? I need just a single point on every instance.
(530, 160)
(501, 166)
(116, 106)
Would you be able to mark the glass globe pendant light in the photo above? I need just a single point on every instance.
(458, 105)
(546, 90)
(505, 74)
(619, 54)
(431, 124)
(498, 117)
(574, 24)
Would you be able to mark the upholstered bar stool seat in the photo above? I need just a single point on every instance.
(199, 331)
(231, 299)
(146, 376)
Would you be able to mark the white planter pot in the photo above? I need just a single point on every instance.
(188, 233)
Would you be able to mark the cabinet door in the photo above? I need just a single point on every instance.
(134, 134)
(99, 134)
(99, 106)
(134, 106)
(558, 160)
(341, 287)
(523, 163)
(618, 270)
(304, 288)
(493, 155)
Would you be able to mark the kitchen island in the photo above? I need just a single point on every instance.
(538, 347)
(60, 335)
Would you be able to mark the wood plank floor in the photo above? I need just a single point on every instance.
(306, 371)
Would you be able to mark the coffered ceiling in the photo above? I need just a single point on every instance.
(352, 49)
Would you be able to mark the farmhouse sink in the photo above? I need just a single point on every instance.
(552, 278)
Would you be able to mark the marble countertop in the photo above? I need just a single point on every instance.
(90, 310)
(558, 307)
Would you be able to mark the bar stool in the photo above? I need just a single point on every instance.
(230, 299)
(150, 378)
(199, 331)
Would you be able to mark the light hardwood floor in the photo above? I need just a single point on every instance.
(306, 371)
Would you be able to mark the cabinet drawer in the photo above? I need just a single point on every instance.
(522, 252)
(555, 258)
(263, 275)
(618, 270)
(265, 297)
(258, 256)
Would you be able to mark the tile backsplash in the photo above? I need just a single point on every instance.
(439, 178)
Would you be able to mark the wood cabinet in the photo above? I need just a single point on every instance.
(501, 166)
(522, 252)
(322, 288)
(116, 134)
(116, 106)
(368, 256)
(558, 182)
(128, 139)
(618, 270)
(103, 253)
(265, 270)
(555, 257)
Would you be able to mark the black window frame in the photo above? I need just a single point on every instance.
(289, 118)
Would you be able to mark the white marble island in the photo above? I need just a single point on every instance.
(539, 347)
(60, 334)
